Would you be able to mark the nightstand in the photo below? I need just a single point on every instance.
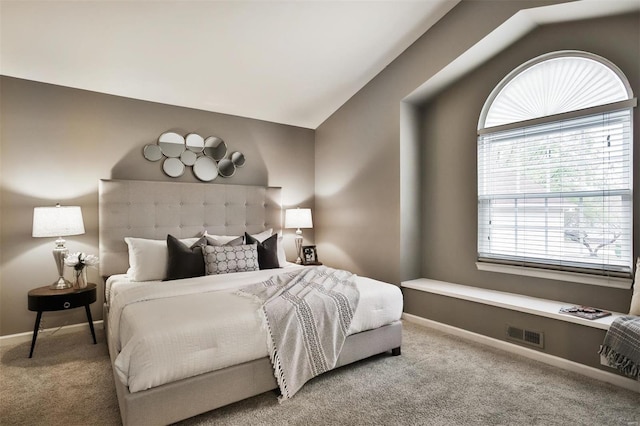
(46, 299)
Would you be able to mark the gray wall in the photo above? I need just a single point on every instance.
(449, 188)
(366, 174)
(56, 143)
(358, 150)
(449, 160)
(563, 339)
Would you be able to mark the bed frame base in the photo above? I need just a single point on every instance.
(186, 398)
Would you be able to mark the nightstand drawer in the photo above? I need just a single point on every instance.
(59, 300)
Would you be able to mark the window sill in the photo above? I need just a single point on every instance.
(516, 302)
(623, 283)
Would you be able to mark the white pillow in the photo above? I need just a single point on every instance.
(635, 299)
(282, 256)
(148, 259)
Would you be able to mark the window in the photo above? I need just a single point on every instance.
(555, 167)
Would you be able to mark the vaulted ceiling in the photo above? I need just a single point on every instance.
(293, 62)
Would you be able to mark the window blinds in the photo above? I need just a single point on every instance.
(558, 195)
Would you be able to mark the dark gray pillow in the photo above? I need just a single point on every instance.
(267, 251)
(184, 261)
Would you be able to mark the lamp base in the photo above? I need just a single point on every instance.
(299, 246)
(59, 253)
(61, 284)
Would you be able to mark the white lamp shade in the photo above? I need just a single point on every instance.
(298, 218)
(57, 221)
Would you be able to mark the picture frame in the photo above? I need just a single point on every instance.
(310, 255)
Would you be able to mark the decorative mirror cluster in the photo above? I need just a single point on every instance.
(207, 157)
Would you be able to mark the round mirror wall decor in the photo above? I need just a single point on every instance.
(173, 167)
(188, 158)
(207, 157)
(205, 169)
(152, 152)
(215, 148)
(171, 144)
(226, 168)
(194, 142)
(171, 137)
(237, 158)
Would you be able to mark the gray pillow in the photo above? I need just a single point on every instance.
(226, 259)
(184, 261)
(214, 242)
(267, 251)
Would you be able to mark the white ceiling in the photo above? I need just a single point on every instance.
(290, 62)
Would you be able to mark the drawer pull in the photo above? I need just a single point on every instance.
(66, 305)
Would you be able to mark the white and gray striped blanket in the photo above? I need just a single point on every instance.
(307, 314)
(621, 346)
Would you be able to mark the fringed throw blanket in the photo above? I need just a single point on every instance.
(307, 314)
(621, 346)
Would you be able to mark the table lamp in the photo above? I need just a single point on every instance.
(298, 218)
(58, 222)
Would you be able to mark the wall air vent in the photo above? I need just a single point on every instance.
(527, 337)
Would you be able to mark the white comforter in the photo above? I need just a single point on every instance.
(171, 330)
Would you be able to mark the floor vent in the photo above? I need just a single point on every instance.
(528, 337)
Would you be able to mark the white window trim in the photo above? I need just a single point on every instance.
(576, 277)
(616, 106)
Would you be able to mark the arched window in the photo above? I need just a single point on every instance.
(555, 167)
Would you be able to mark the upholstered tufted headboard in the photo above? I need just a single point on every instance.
(143, 209)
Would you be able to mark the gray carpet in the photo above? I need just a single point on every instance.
(438, 380)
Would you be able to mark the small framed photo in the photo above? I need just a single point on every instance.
(310, 256)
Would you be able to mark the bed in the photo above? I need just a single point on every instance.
(154, 388)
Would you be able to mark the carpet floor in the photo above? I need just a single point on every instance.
(439, 380)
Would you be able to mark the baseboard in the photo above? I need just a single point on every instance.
(14, 339)
(566, 364)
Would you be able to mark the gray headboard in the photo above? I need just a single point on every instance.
(133, 208)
